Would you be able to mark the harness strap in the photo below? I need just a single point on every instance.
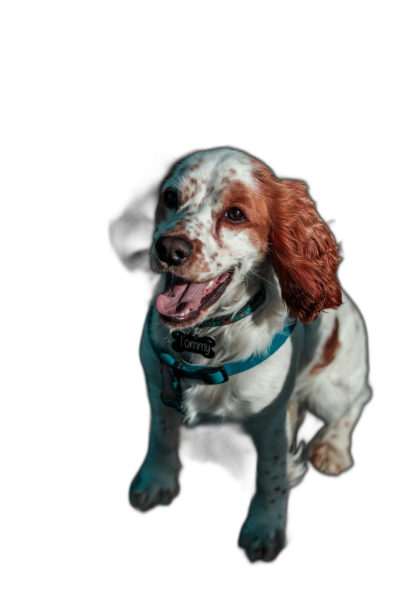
(172, 369)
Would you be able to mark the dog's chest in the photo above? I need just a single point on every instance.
(244, 394)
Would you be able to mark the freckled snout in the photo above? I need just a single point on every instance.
(173, 251)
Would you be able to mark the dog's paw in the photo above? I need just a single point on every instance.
(329, 458)
(262, 542)
(150, 489)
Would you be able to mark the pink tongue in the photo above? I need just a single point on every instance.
(179, 297)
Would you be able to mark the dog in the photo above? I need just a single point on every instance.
(248, 324)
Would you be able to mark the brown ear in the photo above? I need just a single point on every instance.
(303, 252)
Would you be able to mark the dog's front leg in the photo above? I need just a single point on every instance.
(156, 482)
(263, 533)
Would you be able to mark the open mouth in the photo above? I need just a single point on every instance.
(183, 301)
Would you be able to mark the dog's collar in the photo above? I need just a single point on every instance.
(249, 308)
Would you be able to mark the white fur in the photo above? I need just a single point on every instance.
(264, 400)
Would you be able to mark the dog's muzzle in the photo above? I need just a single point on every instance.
(173, 251)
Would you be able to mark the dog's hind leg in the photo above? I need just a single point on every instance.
(338, 387)
(329, 451)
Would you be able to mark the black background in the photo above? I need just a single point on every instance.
(337, 525)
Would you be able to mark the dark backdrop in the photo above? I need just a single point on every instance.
(336, 525)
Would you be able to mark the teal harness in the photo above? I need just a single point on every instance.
(173, 369)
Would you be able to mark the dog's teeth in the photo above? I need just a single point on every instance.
(210, 283)
(185, 312)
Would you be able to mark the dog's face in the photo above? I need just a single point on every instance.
(211, 230)
(219, 215)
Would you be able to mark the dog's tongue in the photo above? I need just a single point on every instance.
(180, 297)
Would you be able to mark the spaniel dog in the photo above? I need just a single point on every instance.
(248, 324)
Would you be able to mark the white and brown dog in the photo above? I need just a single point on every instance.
(248, 324)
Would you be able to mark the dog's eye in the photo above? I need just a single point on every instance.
(235, 215)
(171, 198)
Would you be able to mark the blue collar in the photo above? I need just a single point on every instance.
(173, 369)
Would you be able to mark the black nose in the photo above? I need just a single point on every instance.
(173, 251)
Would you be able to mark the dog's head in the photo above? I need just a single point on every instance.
(221, 214)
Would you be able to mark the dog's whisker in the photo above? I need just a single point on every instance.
(265, 280)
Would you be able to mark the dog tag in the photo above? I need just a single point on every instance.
(202, 345)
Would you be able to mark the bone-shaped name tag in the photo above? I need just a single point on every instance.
(203, 345)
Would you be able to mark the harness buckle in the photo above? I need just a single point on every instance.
(171, 371)
(207, 375)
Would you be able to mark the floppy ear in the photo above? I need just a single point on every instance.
(303, 252)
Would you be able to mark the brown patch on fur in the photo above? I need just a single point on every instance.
(189, 191)
(232, 171)
(187, 195)
(196, 165)
(303, 250)
(330, 349)
(236, 194)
